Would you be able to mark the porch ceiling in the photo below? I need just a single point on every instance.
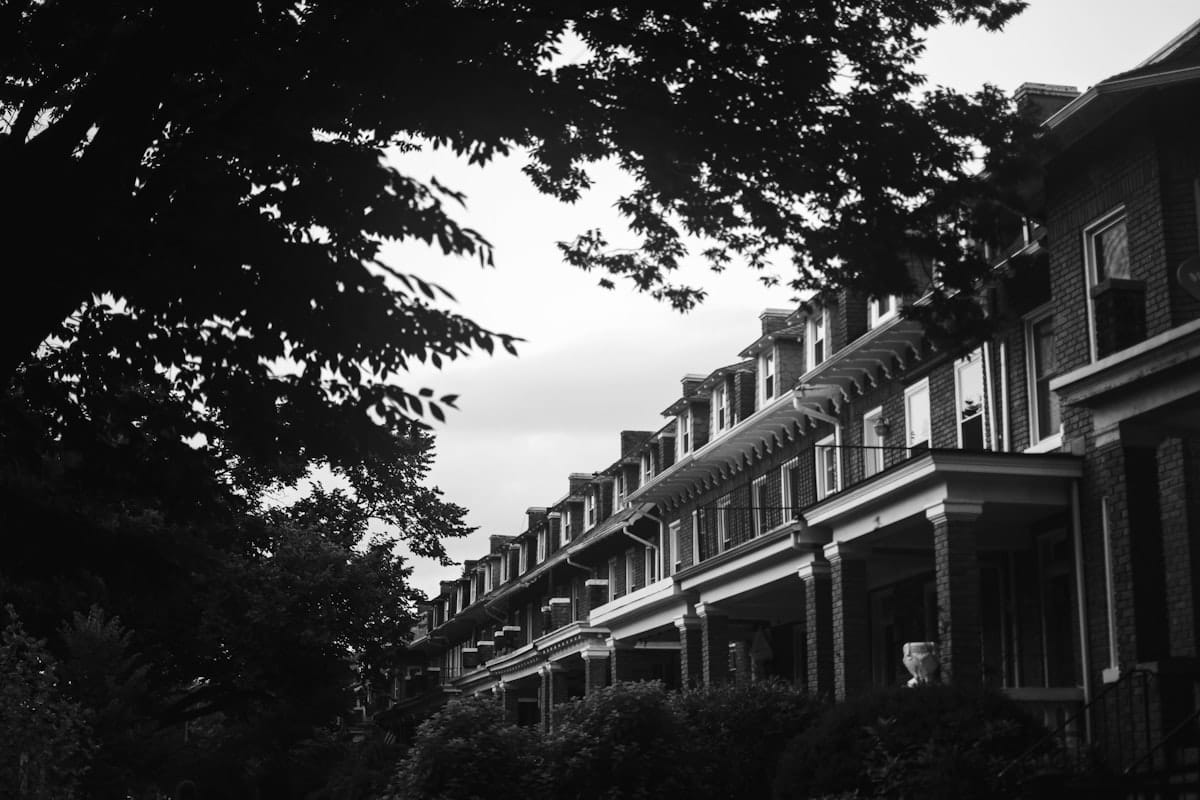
(1010, 484)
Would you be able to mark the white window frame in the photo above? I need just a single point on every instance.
(487, 577)
(619, 488)
(612, 579)
(629, 556)
(672, 557)
(647, 466)
(1054, 440)
(541, 545)
(821, 451)
(920, 387)
(872, 443)
(767, 372)
(590, 502)
(565, 518)
(874, 316)
(720, 408)
(522, 558)
(790, 504)
(683, 432)
(1090, 232)
(650, 566)
(723, 522)
(695, 536)
(817, 323)
(972, 359)
(504, 566)
(758, 513)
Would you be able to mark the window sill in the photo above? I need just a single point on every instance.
(1047, 445)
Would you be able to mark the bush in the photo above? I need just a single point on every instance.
(466, 751)
(736, 734)
(623, 741)
(932, 741)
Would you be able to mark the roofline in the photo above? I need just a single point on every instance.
(1170, 47)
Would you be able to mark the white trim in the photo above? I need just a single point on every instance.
(1101, 223)
(822, 450)
(768, 368)
(909, 391)
(810, 338)
(868, 422)
(720, 405)
(696, 536)
(790, 504)
(756, 512)
(874, 318)
(961, 365)
(1045, 443)
(722, 508)
(673, 539)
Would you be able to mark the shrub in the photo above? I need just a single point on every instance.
(623, 741)
(736, 734)
(466, 751)
(933, 741)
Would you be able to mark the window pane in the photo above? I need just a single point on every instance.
(970, 404)
(1045, 401)
(917, 418)
(1112, 252)
(872, 444)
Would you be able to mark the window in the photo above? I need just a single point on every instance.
(762, 512)
(697, 523)
(720, 408)
(789, 481)
(566, 523)
(969, 393)
(647, 467)
(881, 309)
(768, 374)
(619, 487)
(589, 507)
(672, 559)
(613, 590)
(1106, 256)
(503, 566)
(683, 426)
(828, 477)
(916, 416)
(872, 443)
(816, 339)
(541, 546)
(724, 529)
(522, 554)
(629, 587)
(1045, 420)
(651, 565)
(487, 577)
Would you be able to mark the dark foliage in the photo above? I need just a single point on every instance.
(933, 741)
(734, 735)
(224, 175)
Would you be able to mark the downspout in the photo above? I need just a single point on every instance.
(1081, 599)
(989, 376)
(1004, 399)
(577, 565)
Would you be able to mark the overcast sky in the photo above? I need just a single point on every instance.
(595, 362)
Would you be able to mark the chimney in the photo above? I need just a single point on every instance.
(578, 481)
(632, 440)
(774, 319)
(691, 383)
(536, 516)
(496, 543)
(1040, 101)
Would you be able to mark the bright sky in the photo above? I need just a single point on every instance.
(596, 362)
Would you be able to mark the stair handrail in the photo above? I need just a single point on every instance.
(1163, 742)
(1127, 675)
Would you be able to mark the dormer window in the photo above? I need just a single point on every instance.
(523, 558)
(683, 427)
(720, 408)
(768, 374)
(541, 546)
(647, 467)
(882, 309)
(816, 339)
(566, 524)
(589, 508)
(619, 487)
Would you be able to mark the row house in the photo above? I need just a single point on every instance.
(1029, 503)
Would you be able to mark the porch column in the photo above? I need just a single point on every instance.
(595, 669)
(507, 695)
(714, 644)
(620, 661)
(849, 614)
(691, 654)
(553, 692)
(818, 609)
(956, 567)
(741, 662)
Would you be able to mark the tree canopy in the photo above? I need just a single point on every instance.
(224, 174)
